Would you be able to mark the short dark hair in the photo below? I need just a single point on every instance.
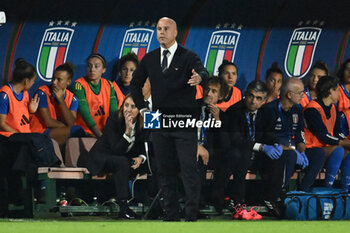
(224, 64)
(215, 80)
(341, 70)
(273, 69)
(324, 85)
(68, 67)
(257, 86)
(320, 65)
(99, 56)
(22, 71)
(128, 57)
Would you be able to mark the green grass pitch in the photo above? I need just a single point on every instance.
(117, 226)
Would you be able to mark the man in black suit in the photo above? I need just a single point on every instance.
(173, 72)
(250, 135)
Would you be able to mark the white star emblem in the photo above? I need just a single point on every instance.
(156, 115)
(59, 22)
(51, 23)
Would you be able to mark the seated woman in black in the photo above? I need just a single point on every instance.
(120, 148)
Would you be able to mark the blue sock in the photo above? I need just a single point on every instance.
(77, 131)
(333, 165)
(345, 171)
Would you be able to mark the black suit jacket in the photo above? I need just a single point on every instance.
(112, 143)
(170, 92)
(237, 129)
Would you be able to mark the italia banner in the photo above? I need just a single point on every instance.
(54, 48)
(222, 46)
(136, 40)
(301, 50)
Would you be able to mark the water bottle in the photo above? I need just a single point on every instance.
(63, 199)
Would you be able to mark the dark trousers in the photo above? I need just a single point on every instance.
(236, 162)
(120, 167)
(272, 172)
(316, 157)
(10, 180)
(176, 152)
(291, 159)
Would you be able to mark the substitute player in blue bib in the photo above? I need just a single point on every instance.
(289, 129)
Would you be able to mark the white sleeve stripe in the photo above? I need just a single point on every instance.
(331, 137)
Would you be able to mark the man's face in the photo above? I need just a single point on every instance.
(254, 100)
(212, 94)
(166, 32)
(296, 93)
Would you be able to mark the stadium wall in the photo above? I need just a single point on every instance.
(251, 33)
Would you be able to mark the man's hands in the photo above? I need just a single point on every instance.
(203, 153)
(302, 160)
(215, 110)
(273, 152)
(195, 79)
(137, 162)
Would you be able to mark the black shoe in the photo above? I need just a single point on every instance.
(171, 217)
(190, 220)
(128, 214)
(273, 208)
(155, 214)
(203, 216)
(231, 206)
